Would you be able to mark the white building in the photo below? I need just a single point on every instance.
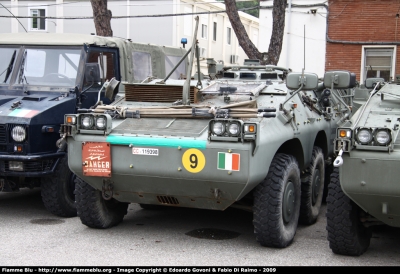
(304, 41)
(160, 22)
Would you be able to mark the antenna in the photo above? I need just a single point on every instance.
(14, 17)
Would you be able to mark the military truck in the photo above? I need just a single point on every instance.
(363, 190)
(256, 137)
(43, 77)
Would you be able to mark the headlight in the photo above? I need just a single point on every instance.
(18, 134)
(101, 122)
(218, 128)
(382, 137)
(234, 129)
(87, 121)
(364, 136)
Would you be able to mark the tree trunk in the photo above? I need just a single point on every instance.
(278, 26)
(102, 17)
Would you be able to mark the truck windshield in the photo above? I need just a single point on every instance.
(49, 67)
(7, 60)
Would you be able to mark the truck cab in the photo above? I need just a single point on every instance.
(44, 76)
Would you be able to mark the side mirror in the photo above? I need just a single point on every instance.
(92, 72)
(309, 80)
(339, 79)
(112, 89)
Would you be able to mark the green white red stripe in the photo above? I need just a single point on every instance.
(27, 113)
(229, 161)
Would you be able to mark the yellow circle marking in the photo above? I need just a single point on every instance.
(193, 160)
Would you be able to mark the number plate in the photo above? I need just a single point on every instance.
(145, 151)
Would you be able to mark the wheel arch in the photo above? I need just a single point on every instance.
(321, 141)
(295, 148)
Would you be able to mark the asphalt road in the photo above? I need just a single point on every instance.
(31, 236)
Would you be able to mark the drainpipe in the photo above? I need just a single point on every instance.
(288, 33)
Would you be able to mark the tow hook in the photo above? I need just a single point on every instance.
(107, 189)
(339, 160)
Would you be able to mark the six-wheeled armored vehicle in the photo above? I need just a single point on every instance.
(364, 188)
(256, 137)
(44, 76)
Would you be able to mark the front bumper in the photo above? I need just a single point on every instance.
(33, 165)
(186, 172)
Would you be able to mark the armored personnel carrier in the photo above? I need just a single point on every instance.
(363, 191)
(44, 76)
(255, 137)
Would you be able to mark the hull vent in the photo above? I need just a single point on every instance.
(157, 93)
(168, 200)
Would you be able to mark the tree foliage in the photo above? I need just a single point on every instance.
(248, 4)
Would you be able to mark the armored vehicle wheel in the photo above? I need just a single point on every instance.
(328, 172)
(58, 191)
(312, 188)
(93, 210)
(346, 233)
(277, 203)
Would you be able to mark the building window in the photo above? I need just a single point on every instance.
(378, 62)
(215, 31)
(229, 36)
(204, 31)
(37, 23)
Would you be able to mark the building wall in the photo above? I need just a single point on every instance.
(354, 24)
(304, 40)
(161, 30)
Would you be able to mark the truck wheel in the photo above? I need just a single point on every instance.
(58, 191)
(346, 233)
(312, 188)
(276, 206)
(93, 210)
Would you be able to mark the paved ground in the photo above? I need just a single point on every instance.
(31, 236)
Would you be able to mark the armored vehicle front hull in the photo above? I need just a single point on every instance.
(374, 186)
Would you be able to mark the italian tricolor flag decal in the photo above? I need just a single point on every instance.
(229, 161)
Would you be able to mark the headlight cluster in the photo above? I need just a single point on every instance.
(18, 133)
(226, 128)
(87, 121)
(371, 136)
(93, 122)
(231, 128)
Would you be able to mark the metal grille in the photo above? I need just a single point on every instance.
(3, 134)
(163, 126)
(168, 200)
(34, 166)
(157, 93)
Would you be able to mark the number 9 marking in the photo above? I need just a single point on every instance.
(193, 160)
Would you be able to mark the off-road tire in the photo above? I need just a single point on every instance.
(312, 188)
(276, 206)
(328, 172)
(93, 210)
(346, 233)
(58, 191)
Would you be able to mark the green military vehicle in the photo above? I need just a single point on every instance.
(254, 137)
(363, 190)
(44, 76)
